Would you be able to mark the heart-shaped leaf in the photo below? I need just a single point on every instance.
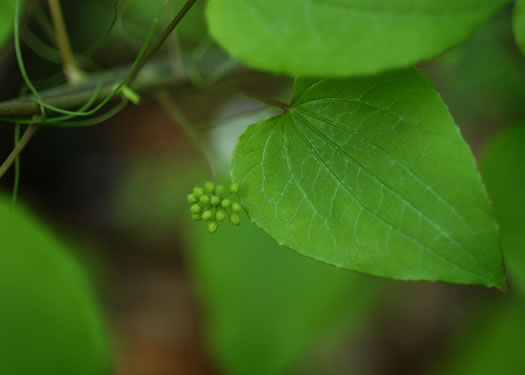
(342, 37)
(371, 174)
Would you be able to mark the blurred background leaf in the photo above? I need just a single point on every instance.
(504, 175)
(490, 341)
(266, 305)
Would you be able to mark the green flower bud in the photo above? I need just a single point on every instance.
(220, 215)
(235, 219)
(207, 215)
(234, 188)
(225, 203)
(192, 198)
(198, 191)
(214, 200)
(209, 186)
(195, 209)
(212, 226)
(236, 207)
(196, 217)
(220, 190)
(204, 199)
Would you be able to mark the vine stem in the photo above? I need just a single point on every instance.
(71, 69)
(156, 75)
(72, 72)
(28, 134)
(167, 31)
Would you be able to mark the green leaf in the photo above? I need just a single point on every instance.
(518, 23)
(342, 37)
(505, 179)
(7, 14)
(49, 321)
(371, 174)
(266, 307)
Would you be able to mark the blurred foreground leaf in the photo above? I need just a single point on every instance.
(342, 37)
(50, 323)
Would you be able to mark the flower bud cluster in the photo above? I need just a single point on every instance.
(212, 204)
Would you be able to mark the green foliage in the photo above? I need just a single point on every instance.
(342, 37)
(504, 176)
(365, 170)
(266, 306)
(518, 23)
(371, 174)
(50, 323)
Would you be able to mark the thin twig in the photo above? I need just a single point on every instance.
(71, 69)
(29, 132)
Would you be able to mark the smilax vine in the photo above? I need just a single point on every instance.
(365, 168)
